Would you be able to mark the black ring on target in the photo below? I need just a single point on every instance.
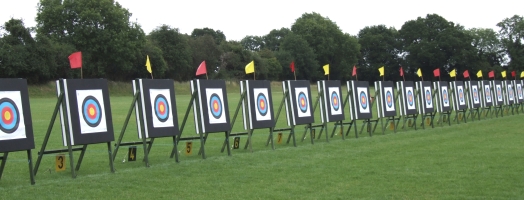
(488, 95)
(215, 106)
(161, 108)
(335, 101)
(410, 98)
(445, 96)
(389, 99)
(302, 102)
(363, 100)
(262, 104)
(91, 111)
(475, 94)
(428, 97)
(461, 95)
(10, 118)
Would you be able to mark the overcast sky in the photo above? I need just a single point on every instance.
(237, 19)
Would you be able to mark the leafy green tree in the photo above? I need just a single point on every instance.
(101, 29)
(512, 37)
(217, 35)
(298, 49)
(175, 51)
(205, 48)
(252, 43)
(273, 40)
(490, 51)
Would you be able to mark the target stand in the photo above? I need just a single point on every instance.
(16, 129)
(498, 107)
(155, 112)
(386, 107)
(363, 105)
(426, 106)
(458, 92)
(210, 112)
(407, 103)
(85, 115)
(257, 109)
(509, 96)
(519, 96)
(443, 102)
(474, 99)
(486, 93)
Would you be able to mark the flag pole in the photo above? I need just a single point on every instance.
(356, 76)
(206, 76)
(151, 75)
(254, 75)
(81, 73)
(295, 74)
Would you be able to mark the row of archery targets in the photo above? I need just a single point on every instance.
(84, 110)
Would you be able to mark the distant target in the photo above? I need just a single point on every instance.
(262, 104)
(510, 92)
(215, 105)
(389, 99)
(161, 108)
(428, 97)
(410, 98)
(488, 94)
(461, 95)
(499, 93)
(91, 111)
(10, 116)
(302, 102)
(445, 96)
(519, 91)
(475, 94)
(335, 101)
(363, 100)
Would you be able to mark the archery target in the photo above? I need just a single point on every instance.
(499, 92)
(519, 91)
(461, 95)
(487, 93)
(12, 124)
(302, 102)
(363, 99)
(334, 100)
(476, 99)
(410, 98)
(91, 111)
(510, 92)
(445, 96)
(388, 98)
(215, 105)
(263, 112)
(162, 115)
(428, 98)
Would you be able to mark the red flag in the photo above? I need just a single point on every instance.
(354, 70)
(75, 60)
(201, 68)
(513, 73)
(466, 74)
(491, 74)
(292, 66)
(401, 71)
(436, 72)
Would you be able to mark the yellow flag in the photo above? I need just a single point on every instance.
(419, 72)
(326, 69)
(148, 65)
(503, 74)
(250, 68)
(479, 74)
(453, 73)
(522, 74)
(381, 70)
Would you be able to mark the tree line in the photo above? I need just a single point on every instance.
(114, 47)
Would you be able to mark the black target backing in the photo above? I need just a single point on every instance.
(408, 97)
(443, 96)
(459, 95)
(27, 142)
(260, 104)
(498, 92)
(386, 98)
(302, 112)
(332, 106)
(425, 97)
(211, 93)
(474, 98)
(361, 100)
(487, 93)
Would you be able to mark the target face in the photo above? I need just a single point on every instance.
(263, 112)
(161, 108)
(510, 92)
(410, 98)
(428, 97)
(461, 95)
(363, 99)
(302, 101)
(499, 93)
(390, 106)
(519, 91)
(445, 97)
(91, 111)
(334, 100)
(487, 93)
(11, 119)
(476, 99)
(215, 105)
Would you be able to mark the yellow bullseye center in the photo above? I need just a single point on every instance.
(7, 115)
(215, 106)
(162, 108)
(262, 104)
(91, 111)
(302, 102)
(335, 101)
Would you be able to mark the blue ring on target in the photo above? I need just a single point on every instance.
(335, 101)
(215, 100)
(302, 102)
(160, 100)
(262, 109)
(461, 95)
(475, 94)
(89, 104)
(428, 97)
(8, 109)
(410, 97)
(519, 91)
(487, 93)
(445, 96)
(499, 93)
(510, 93)
(389, 99)
(363, 100)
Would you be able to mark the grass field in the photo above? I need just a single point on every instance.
(474, 160)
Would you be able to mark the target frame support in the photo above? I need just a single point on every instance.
(291, 129)
(403, 109)
(380, 109)
(457, 111)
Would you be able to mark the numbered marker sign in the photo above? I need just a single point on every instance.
(189, 148)
(60, 161)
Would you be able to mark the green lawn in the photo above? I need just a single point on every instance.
(475, 160)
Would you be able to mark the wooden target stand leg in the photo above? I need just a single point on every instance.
(463, 113)
(290, 129)
(341, 124)
(145, 143)
(410, 117)
(3, 158)
(389, 120)
(70, 149)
